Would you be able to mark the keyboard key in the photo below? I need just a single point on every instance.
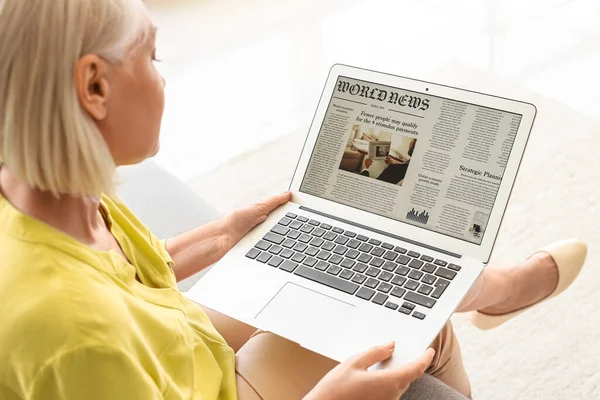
(391, 305)
(414, 274)
(341, 240)
(275, 261)
(296, 225)
(429, 268)
(335, 259)
(384, 287)
(365, 293)
(362, 238)
(293, 235)
(291, 215)
(442, 282)
(364, 258)
(323, 255)
(390, 255)
(318, 232)
(371, 283)
(402, 270)
(375, 242)
(288, 243)
(264, 257)
(326, 279)
(402, 259)
(350, 234)
(411, 285)
(326, 226)
(415, 264)
(404, 310)
(275, 249)
(441, 263)
(360, 267)
(346, 274)
(328, 246)
(400, 250)
(419, 299)
(302, 219)
(307, 228)
(288, 266)
(338, 230)
(410, 306)
(418, 315)
(322, 265)
(373, 272)
(262, 245)
(385, 276)
(380, 298)
(352, 254)
(398, 292)
(424, 289)
(317, 242)
(376, 262)
(438, 292)
(340, 249)
(314, 222)
(358, 278)
(305, 238)
(428, 279)
(365, 247)
(284, 221)
(378, 251)
(445, 273)
(253, 253)
(390, 266)
(348, 263)
(286, 253)
(454, 267)
(312, 251)
(300, 247)
(414, 254)
(426, 258)
(298, 257)
(282, 230)
(334, 270)
(398, 280)
(329, 236)
(353, 243)
(310, 262)
(387, 246)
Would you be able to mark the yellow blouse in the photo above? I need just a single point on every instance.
(76, 324)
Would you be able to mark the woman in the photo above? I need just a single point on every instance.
(88, 296)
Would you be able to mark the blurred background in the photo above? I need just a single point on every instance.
(244, 78)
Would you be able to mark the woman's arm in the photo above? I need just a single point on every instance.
(200, 248)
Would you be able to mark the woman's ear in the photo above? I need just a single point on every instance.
(92, 85)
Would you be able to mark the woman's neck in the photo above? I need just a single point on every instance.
(77, 216)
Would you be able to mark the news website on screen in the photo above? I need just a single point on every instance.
(428, 161)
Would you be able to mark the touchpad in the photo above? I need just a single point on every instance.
(304, 315)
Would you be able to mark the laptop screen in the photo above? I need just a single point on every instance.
(428, 161)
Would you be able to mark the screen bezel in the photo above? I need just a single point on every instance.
(459, 246)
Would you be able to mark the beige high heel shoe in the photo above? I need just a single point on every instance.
(569, 257)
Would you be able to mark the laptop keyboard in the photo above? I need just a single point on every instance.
(390, 276)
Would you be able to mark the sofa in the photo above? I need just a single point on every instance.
(169, 207)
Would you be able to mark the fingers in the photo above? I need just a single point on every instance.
(273, 202)
(374, 355)
(411, 371)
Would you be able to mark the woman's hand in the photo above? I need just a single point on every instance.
(351, 380)
(240, 222)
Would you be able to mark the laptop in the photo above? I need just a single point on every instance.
(369, 251)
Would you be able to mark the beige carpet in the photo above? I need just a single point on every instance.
(550, 352)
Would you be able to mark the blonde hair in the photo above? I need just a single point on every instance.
(46, 137)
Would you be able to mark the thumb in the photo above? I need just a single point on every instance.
(411, 371)
(273, 202)
(374, 355)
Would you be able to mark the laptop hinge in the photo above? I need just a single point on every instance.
(382, 232)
